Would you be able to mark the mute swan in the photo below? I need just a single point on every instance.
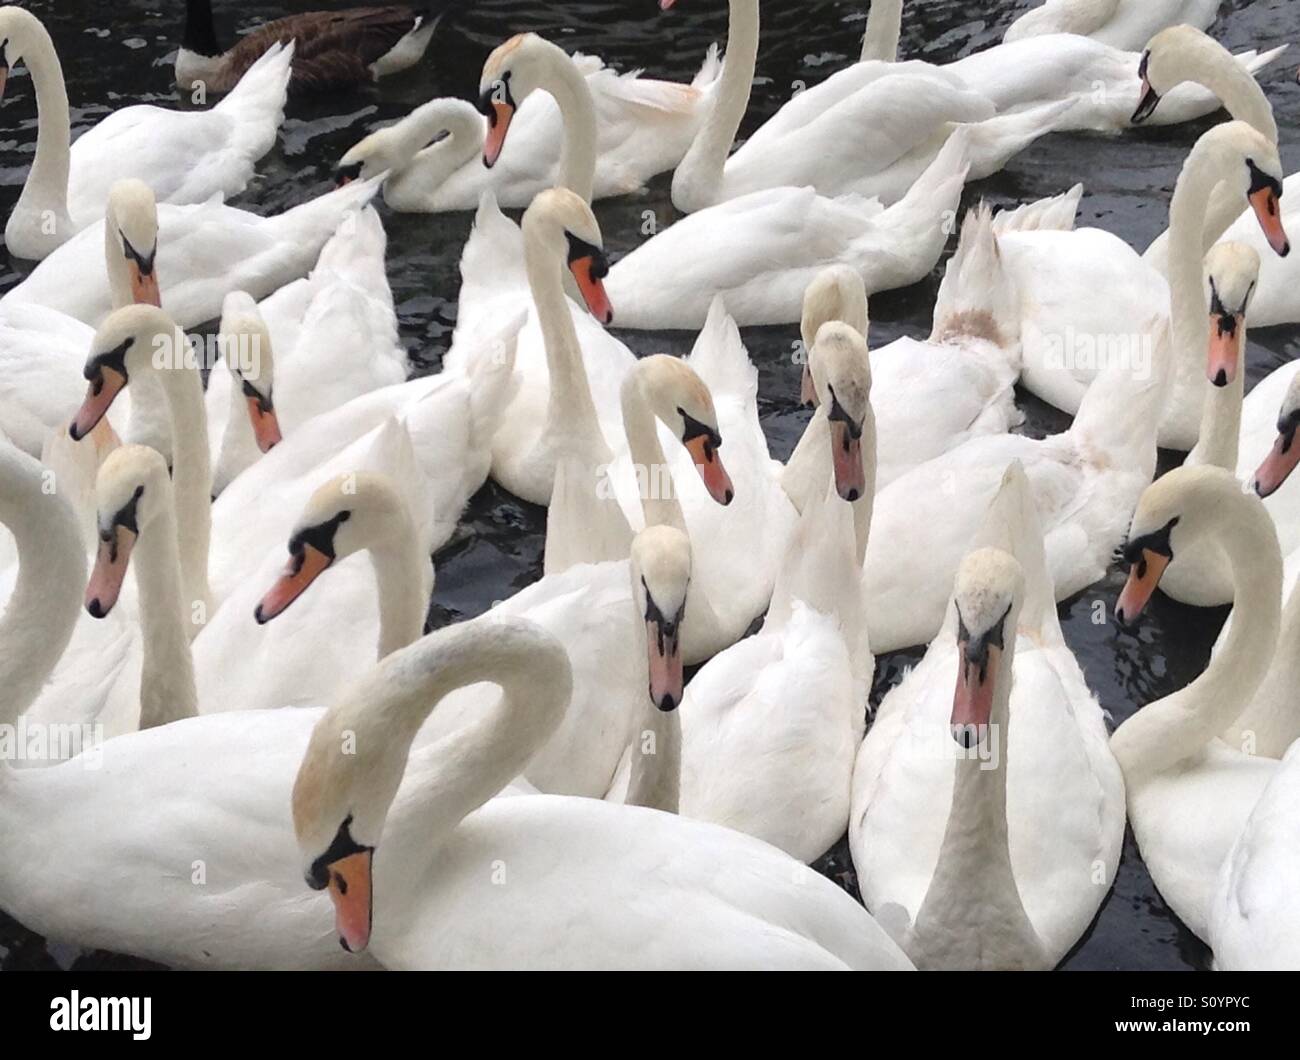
(1085, 482)
(987, 826)
(769, 727)
(1253, 923)
(1068, 339)
(901, 114)
(1285, 455)
(335, 49)
(426, 906)
(1126, 24)
(184, 156)
(203, 252)
(638, 128)
(1172, 59)
(1192, 781)
(320, 342)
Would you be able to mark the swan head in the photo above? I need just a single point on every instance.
(132, 489)
(841, 366)
(678, 398)
(563, 223)
(1231, 276)
(661, 575)
(837, 293)
(18, 28)
(1175, 510)
(132, 222)
(1250, 162)
(131, 341)
(351, 513)
(514, 71)
(1285, 454)
(245, 343)
(1172, 56)
(395, 146)
(987, 597)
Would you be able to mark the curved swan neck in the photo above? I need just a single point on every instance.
(698, 180)
(1271, 723)
(656, 780)
(884, 28)
(973, 901)
(167, 688)
(571, 412)
(401, 575)
(1238, 91)
(1179, 726)
(659, 502)
(463, 142)
(564, 81)
(47, 183)
(43, 608)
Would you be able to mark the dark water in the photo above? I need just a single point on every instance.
(118, 54)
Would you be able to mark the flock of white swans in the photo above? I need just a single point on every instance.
(540, 787)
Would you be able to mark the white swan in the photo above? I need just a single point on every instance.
(642, 128)
(1182, 55)
(423, 905)
(1192, 777)
(770, 727)
(1253, 924)
(203, 252)
(184, 156)
(318, 343)
(901, 114)
(1070, 337)
(987, 826)
(1085, 482)
(1126, 24)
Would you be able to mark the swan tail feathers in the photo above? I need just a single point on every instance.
(975, 285)
(256, 103)
(316, 220)
(1058, 213)
(668, 97)
(1254, 61)
(1013, 525)
(711, 71)
(720, 358)
(574, 533)
(995, 141)
(491, 368)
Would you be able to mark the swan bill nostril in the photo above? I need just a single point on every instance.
(95, 608)
(1221, 378)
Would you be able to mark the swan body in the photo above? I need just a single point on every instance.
(204, 252)
(184, 156)
(1126, 24)
(999, 855)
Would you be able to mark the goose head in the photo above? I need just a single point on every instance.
(513, 71)
(1231, 276)
(132, 491)
(132, 341)
(987, 595)
(351, 513)
(1172, 56)
(563, 223)
(393, 148)
(661, 575)
(131, 221)
(1249, 162)
(679, 398)
(1174, 511)
(841, 366)
(837, 293)
(245, 344)
(1285, 454)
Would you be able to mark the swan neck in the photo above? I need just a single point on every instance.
(1238, 91)
(864, 506)
(884, 28)
(1220, 435)
(659, 503)
(656, 779)
(401, 575)
(47, 183)
(578, 110)
(167, 688)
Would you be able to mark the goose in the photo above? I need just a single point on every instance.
(902, 114)
(770, 727)
(1068, 337)
(335, 49)
(987, 825)
(639, 129)
(1253, 924)
(1181, 55)
(201, 252)
(319, 342)
(1085, 483)
(1196, 762)
(1126, 24)
(408, 888)
(184, 156)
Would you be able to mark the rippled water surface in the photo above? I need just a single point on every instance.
(120, 53)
